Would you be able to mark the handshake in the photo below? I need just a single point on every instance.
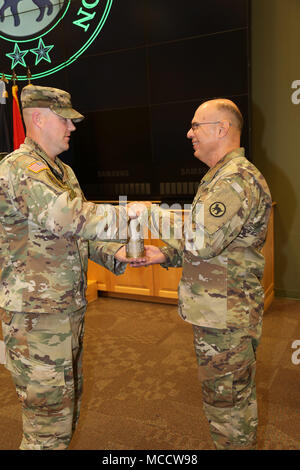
(152, 254)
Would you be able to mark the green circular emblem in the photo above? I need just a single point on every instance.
(48, 35)
(217, 209)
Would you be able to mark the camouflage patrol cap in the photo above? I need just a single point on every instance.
(59, 101)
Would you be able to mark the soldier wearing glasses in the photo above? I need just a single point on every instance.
(220, 291)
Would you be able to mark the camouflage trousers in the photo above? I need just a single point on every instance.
(226, 362)
(44, 357)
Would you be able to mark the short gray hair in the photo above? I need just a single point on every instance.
(232, 109)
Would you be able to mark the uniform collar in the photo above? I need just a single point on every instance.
(236, 153)
(57, 164)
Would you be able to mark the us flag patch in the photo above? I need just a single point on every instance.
(36, 167)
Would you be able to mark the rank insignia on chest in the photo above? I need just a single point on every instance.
(72, 194)
(36, 167)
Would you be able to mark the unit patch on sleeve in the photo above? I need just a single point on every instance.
(217, 209)
(220, 207)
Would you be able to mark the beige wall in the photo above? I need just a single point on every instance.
(276, 127)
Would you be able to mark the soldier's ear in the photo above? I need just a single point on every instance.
(37, 118)
(223, 128)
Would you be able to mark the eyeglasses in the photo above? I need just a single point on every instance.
(195, 125)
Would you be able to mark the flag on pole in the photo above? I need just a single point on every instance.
(18, 128)
(5, 137)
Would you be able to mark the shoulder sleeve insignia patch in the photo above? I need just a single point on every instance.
(36, 167)
(217, 209)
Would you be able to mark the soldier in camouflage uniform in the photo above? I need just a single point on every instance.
(47, 233)
(220, 291)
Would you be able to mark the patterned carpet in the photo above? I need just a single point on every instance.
(141, 387)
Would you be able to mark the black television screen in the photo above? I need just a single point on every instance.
(138, 84)
(155, 62)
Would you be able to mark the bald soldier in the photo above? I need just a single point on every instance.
(47, 233)
(220, 291)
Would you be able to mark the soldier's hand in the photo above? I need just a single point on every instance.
(154, 255)
(134, 209)
(120, 255)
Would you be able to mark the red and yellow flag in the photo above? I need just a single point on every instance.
(5, 135)
(18, 128)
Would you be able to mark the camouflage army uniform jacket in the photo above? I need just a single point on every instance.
(47, 233)
(220, 285)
